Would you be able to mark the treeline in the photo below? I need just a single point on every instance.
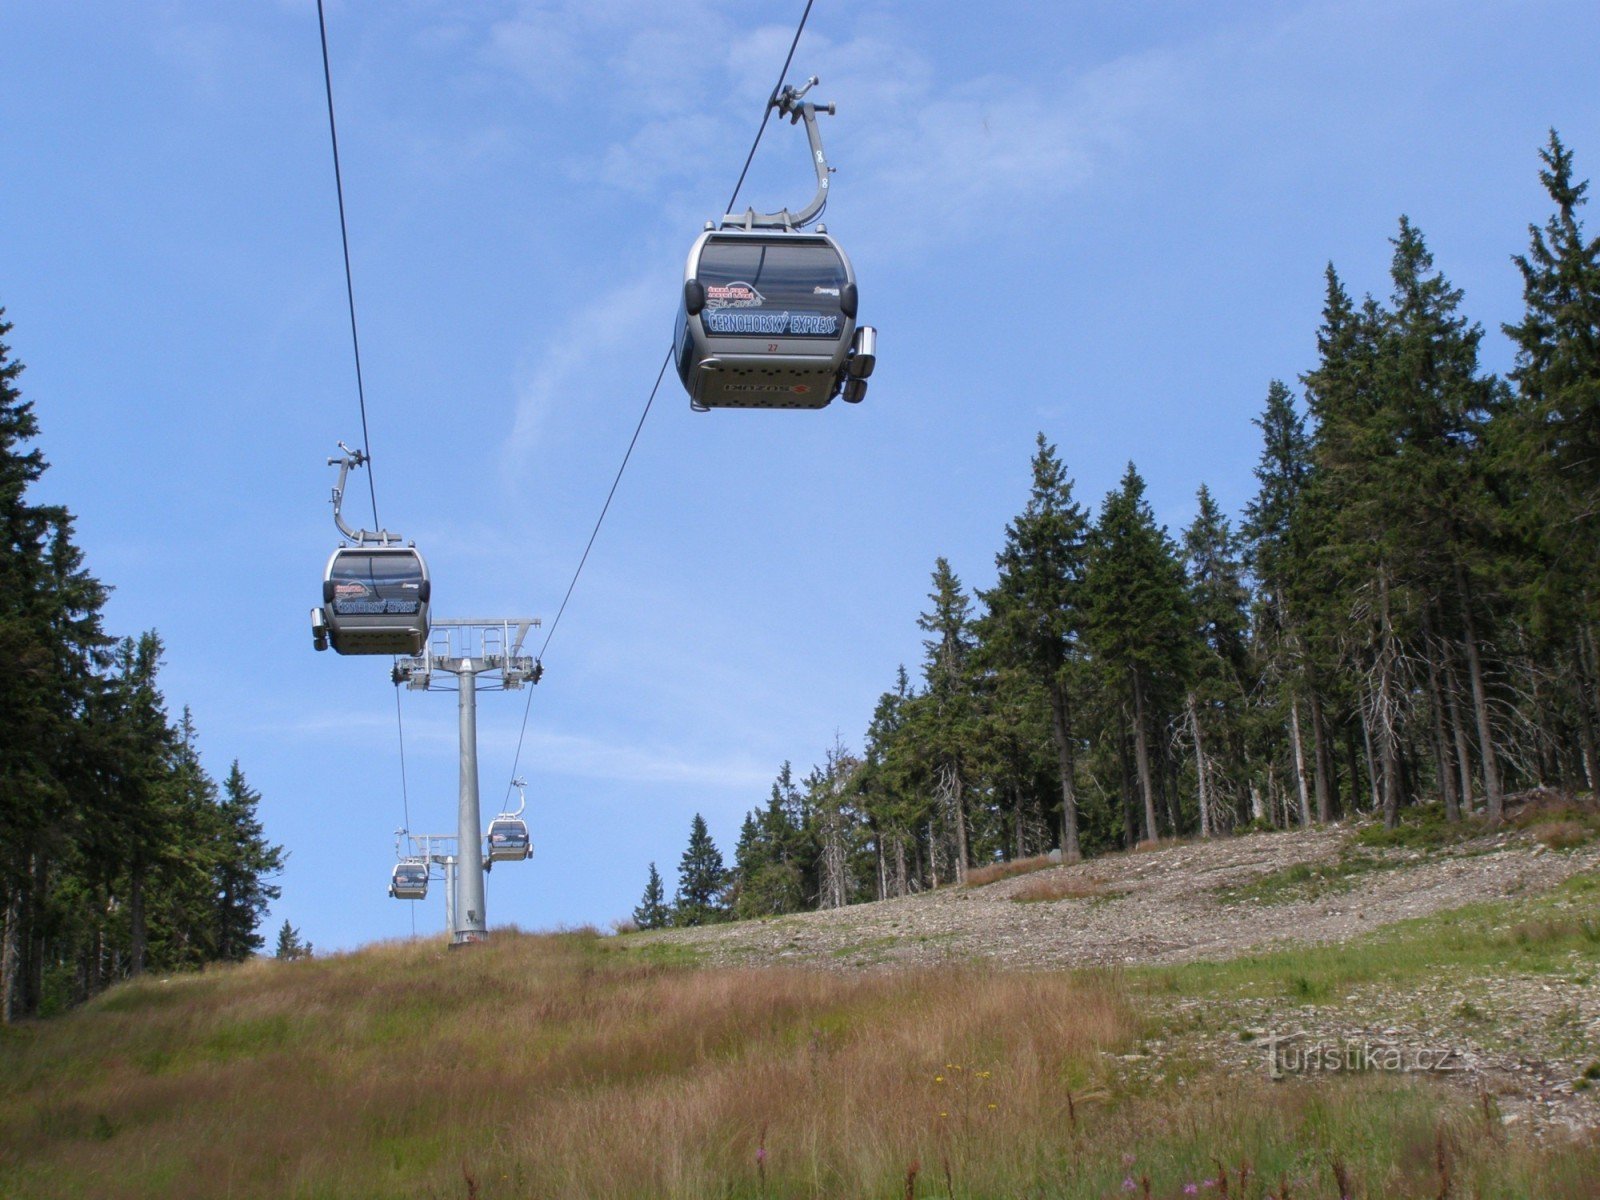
(1406, 612)
(118, 852)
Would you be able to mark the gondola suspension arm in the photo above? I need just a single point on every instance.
(361, 537)
(791, 102)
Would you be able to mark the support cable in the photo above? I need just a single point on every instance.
(361, 390)
(772, 102)
(766, 115)
(349, 284)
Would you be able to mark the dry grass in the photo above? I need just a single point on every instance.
(566, 1067)
(1562, 835)
(1061, 887)
(994, 872)
(544, 1059)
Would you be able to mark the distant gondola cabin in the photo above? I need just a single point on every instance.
(508, 839)
(409, 880)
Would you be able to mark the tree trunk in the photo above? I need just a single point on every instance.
(8, 957)
(957, 801)
(138, 937)
(1586, 711)
(1201, 773)
(1452, 807)
(1388, 734)
(1066, 767)
(1447, 783)
(1321, 756)
(1141, 751)
(1353, 764)
(1299, 760)
(1480, 705)
(835, 881)
(1458, 734)
(1372, 766)
(1130, 802)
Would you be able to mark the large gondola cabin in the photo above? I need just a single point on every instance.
(374, 601)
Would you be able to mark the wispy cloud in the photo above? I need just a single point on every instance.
(948, 153)
(629, 762)
(565, 363)
(562, 754)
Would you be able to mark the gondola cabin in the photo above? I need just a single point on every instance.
(508, 839)
(409, 880)
(768, 320)
(374, 601)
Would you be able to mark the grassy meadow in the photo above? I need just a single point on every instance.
(579, 1066)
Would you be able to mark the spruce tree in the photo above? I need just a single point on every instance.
(1278, 539)
(1218, 600)
(289, 945)
(766, 877)
(1551, 441)
(894, 797)
(1443, 502)
(1034, 614)
(1138, 621)
(1557, 371)
(52, 643)
(701, 880)
(652, 912)
(245, 861)
(1357, 568)
(946, 712)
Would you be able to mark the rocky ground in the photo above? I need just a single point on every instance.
(1520, 1044)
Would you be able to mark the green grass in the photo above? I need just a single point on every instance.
(1527, 936)
(1304, 881)
(1558, 820)
(1422, 828)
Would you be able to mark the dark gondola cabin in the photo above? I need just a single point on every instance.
(409, 880)
(767, 321)
(374, 601)
(508, 839)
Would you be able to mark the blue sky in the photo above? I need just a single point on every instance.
(1106, 221)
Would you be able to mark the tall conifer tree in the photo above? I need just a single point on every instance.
(1034, 615)
(1138, 620)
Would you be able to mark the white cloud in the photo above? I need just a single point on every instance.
(572, 755)
(927, 154)
(629, 762)
(571, 362)
(664, 148)
(539, 45)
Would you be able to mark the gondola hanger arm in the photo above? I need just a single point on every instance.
(790, 102)
(361, 537)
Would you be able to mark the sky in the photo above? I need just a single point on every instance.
(1102, 221)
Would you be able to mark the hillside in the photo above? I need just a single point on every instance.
(966, 1043)
(1524, 1033)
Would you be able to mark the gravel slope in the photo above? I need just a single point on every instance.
(1520, 1043)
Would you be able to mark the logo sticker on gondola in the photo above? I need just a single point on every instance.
(768, 388)
(349, 591)
(773, 324)
(819, 290)
(733, 295)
